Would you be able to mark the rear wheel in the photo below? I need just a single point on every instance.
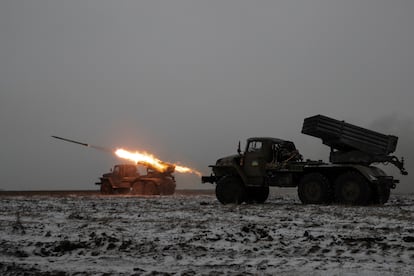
(381, 193)
(352, 188)
(151, 188)
(167, 187)
(257, 194)
(314, 188)
(230, 189)
(137, 188)
(106, 188)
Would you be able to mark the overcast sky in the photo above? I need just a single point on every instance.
(187, 80)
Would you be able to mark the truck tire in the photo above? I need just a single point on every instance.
(257, 194)
(230, 189)
(167, 187)
(381, 193)
(352, 188)
(314, 188)
(106, 188)
(137, 188)
(151, 188)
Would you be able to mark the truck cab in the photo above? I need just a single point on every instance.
(119, 179)
(245, 177)
(264, 152)
(125, 170)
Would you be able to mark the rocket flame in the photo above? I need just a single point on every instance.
(146, 158)
(143, 157)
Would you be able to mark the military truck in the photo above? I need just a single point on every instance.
(349, 177)
(126, 179)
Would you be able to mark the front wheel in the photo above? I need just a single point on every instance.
(230, 189)
(106, 188)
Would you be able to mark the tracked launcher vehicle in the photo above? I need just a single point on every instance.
(349, 177)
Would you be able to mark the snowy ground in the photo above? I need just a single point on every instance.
(194, 234)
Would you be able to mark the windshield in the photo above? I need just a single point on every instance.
(254, 146)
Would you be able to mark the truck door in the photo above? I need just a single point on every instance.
(254, 163)
(117, 175)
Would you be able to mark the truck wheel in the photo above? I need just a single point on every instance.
(352, 188)
(106, 188)
(381, 193)
(151, 188)
(314, 188)
(257, 194)
(167, 187)
(137, 188)
(230, 189)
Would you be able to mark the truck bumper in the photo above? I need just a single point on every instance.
(387, 181)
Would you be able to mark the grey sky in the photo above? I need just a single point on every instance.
(187, 79)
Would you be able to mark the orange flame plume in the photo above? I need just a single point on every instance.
(143, 157)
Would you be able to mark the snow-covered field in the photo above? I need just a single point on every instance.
(195, 234)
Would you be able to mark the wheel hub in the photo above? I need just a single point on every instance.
(351, 191)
